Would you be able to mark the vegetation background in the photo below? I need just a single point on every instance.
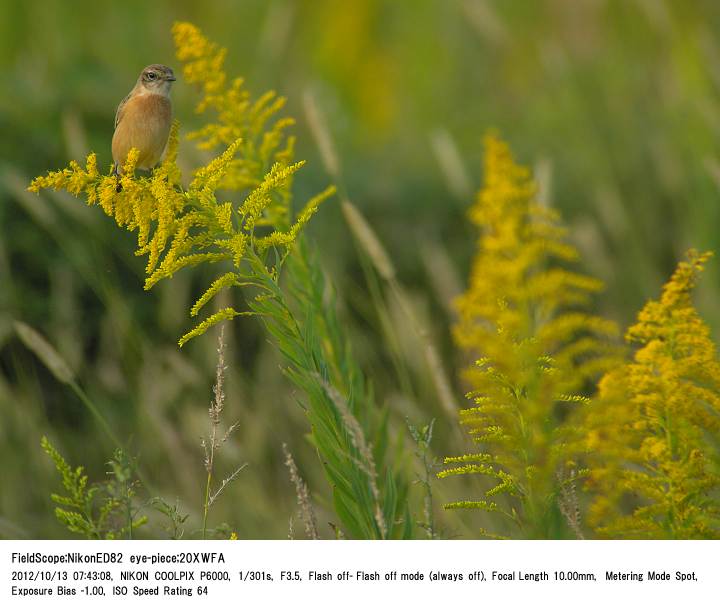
(615, 103)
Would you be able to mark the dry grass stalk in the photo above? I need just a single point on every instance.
(215, 442)
(216, 406)
(303, 497)
(451, 165)
(321, 134)
(483, 17)
(225, 483)
(34, 341)
(368, 240)
(569, 504)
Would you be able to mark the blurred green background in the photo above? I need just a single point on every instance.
(615, 104)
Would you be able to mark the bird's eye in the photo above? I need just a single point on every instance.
(151, 75)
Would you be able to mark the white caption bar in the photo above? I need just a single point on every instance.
(355, 573)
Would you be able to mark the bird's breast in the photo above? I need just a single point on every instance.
(145, 125)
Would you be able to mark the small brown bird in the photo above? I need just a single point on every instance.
(143, 119)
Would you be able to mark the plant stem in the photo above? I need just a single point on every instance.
(96, 413)
(206, 504)
(129, 510)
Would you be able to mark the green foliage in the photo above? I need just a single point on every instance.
(100, 511)
(423, 437)
(175, 525)
(349, 431)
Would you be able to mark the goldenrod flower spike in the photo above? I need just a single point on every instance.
(536, 349)
(652, 437)
(255, 123)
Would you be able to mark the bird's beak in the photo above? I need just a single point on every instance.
(170, 78)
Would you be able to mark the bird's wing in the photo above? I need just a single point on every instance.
(120, 108)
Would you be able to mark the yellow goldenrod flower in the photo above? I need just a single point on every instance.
(652, 434)
(262, 137)
(537, 350)
(222, 282)
(215, 318)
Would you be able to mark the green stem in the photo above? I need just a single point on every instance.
(105, 426)
(96, 413)
(128, 504)
(206, 504)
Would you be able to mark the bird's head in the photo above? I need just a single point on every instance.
(156, 79)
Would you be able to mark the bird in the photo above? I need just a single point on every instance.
(143, 119)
